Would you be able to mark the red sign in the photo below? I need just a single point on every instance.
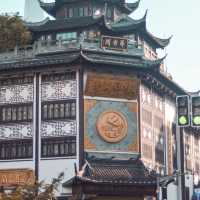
(114, 43)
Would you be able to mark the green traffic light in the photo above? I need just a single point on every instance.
(196, 120)
(182, 120)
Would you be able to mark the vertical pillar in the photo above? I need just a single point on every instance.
(81, 116)
(37, 125)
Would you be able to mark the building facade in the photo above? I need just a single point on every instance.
(91, 98)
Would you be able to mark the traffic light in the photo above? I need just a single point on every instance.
(183, 114)
(195, 111)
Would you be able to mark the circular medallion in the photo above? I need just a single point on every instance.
(112, 126)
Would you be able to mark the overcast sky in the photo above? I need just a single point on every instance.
(179, 18)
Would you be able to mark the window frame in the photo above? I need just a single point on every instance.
(46, 116)
(17, 107)
(69, 144)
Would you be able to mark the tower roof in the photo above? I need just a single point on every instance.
(51, 8)
(33, 11)
(124, 26)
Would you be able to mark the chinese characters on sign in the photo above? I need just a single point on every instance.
(16, 177)
(114, 43)
(112, 86)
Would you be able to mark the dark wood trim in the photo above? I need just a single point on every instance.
(81, 117)
(37, 128)
(66, 146)
(113, 190)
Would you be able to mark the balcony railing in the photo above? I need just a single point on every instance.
(44, 47)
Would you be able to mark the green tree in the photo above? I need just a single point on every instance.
(38, 191)
(12, 32)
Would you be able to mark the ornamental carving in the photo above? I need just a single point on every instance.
(112, 126)
(59, 90)
(59, 128)
(17, 131)
(16, 94)
(112, 86)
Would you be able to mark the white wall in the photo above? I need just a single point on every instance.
(17, 165)
(49, 169)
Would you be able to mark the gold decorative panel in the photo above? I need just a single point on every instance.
(16, 177)
(104, 85)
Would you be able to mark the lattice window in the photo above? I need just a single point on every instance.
(16, 113)
(58, 147)
(147, 116)
(159, 156)
(16, 149)
(58, 110)
(147, 151)
(158, 123)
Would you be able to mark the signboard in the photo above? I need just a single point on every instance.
(112, 86)
(114, 43)
(15, 177)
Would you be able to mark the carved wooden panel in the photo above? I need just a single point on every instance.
(146, 96)
(58, 90)
(58, 128)
(16, 94)
(104, 85)
(16, 177)
(16, 131)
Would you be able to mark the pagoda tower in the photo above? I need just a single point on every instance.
(88, 97)
(33, 11)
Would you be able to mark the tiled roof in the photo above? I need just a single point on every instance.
(51, 8)
(131, 172)
(65, 24)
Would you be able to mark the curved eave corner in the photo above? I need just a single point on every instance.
(48, 7)
(131, 7)
(130, 26)
(154, 64)
(160, 42)
(128, 8)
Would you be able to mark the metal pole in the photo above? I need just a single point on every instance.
(182, 162)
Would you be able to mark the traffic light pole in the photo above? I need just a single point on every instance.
(181, 162)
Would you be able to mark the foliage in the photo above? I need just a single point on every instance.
(38, 191)
(12, 32)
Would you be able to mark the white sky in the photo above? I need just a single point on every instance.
(179, 18)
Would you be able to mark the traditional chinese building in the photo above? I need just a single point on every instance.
(90, 91)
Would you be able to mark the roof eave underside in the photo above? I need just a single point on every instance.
(93, 57)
